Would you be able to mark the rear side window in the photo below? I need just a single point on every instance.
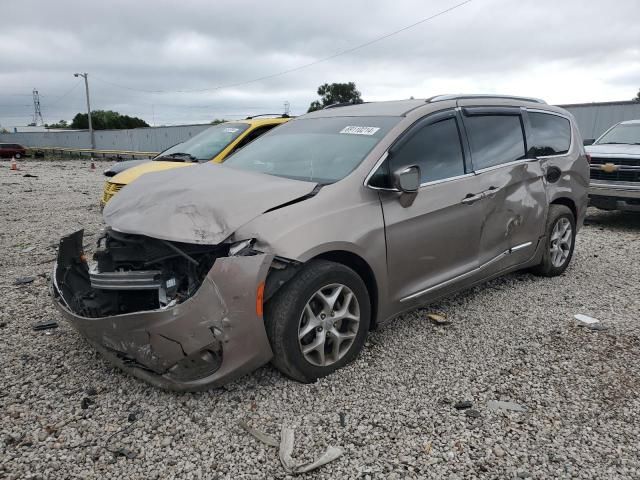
(550, 134)
(436, 149)
(494, 139)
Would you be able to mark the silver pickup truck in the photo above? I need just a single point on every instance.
(615, 168)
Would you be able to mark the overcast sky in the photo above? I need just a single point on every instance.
(564, 51)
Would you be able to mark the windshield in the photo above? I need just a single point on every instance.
(321, 150)
(628, 133)
(205, 145)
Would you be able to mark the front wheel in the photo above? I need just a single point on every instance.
(17, 156)
(559, 243)
(318, 321)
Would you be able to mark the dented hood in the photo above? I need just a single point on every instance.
(204, 204)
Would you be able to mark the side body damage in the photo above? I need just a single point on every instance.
(192, 322)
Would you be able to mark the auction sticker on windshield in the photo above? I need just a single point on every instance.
(354, 130)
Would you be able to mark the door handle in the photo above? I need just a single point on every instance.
(471, 198)
(490, 192)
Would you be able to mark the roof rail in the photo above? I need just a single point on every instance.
(277, 115)
(440, 98)
(341, 104)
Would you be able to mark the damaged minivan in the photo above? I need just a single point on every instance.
(319, 231)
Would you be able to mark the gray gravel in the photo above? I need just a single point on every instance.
(512, 340)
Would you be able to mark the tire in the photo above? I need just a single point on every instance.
(18, 156)
(554, 263)
(287, 315)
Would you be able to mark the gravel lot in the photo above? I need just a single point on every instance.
(392, 411)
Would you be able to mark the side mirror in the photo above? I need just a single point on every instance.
(407, 179)
(588, 141)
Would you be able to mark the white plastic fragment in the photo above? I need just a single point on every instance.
(585, 319)
(287, 438)
(499, 405)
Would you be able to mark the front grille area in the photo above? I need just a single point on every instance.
(628, 169)
(619, 176)
(630, 162)
(110, 189)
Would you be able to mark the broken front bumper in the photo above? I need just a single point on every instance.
(208, 340)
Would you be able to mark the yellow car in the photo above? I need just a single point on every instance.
(212, 145)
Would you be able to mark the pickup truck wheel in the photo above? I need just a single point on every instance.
(318, 321)
(559, 242)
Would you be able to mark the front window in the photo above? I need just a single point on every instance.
(321, 150)
(205, 145)
(625, 134)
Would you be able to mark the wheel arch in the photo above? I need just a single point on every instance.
(567, 202)
(363, 269)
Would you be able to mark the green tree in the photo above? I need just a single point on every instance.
(107, 119)
(335, 93)
(60, 124)
(217, 121)
(637, 99)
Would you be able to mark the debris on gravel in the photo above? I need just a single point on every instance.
(513, 340)
(500, 405)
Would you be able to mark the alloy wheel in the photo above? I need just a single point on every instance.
(560, 242)
(329, 324)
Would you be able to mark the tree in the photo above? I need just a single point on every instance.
(637, 99)
(60, 124)
(107, 119)
(336, 93)
(218, 121)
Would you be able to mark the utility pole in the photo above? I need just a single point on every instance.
(287, 107)
(86, 87)
(37, 114)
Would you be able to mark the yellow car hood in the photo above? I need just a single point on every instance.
(131, 174)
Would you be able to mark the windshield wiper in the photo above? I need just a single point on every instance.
(177, 157)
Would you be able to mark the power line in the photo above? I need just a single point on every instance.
(300, 67)
(55, 101)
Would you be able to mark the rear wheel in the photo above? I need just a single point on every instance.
(559, 243)
(318, 321)
(18, 156)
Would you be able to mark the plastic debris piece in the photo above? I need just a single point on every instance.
(23, 280)
(438, 319)
(464, 404)
(585, 319)
(499, 405)
(28, 175)
(285, 445)
(45, 325)
(286, 449)
(28, 249)
(263, 437)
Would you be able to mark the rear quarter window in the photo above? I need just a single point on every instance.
(550, 134)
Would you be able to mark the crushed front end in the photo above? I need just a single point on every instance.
(181, 316)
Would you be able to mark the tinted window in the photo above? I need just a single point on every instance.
(494, 139)
(550, 134)
(436, 149)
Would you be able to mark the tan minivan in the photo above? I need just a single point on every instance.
(321, 229)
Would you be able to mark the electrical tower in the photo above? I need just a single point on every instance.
(287, 107)
(37, 114)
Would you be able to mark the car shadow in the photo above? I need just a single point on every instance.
(613, 220)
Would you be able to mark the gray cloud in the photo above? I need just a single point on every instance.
(567, 51)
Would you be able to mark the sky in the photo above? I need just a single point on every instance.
(164, 61)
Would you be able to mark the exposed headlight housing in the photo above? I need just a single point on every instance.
(242, 247)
